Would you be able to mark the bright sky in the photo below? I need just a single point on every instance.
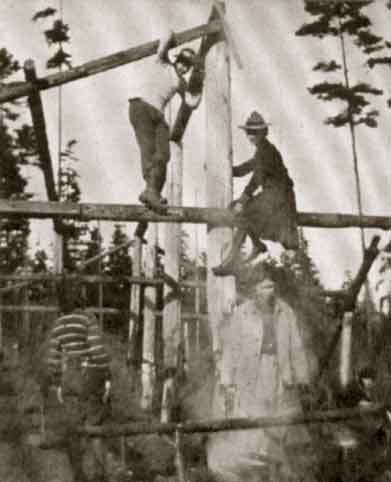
(274, 80)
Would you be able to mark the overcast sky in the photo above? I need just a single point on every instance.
(274, 80)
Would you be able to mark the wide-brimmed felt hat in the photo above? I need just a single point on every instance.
(255, 122)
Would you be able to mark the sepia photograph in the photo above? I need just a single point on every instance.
(195, 246)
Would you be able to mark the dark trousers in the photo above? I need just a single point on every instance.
(153, 138)
(83, 393)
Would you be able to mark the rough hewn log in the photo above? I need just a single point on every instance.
(102, 64)
(175, 214)
(172, 248)
(45, 160)
(348, 297)
(148, 366)
(221, 291)
(228, 424)
(38, 118)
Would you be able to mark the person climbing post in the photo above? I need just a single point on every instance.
(270, 214)
(146, 114)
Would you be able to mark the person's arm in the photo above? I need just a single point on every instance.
(243, 169)
(166, 42)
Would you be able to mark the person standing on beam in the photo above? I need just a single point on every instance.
(266, 210)
(146, 114)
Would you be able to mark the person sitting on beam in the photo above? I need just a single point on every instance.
(270, 214)
(146, 114)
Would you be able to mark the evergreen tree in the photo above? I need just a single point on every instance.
(56, 35)
(118, 264)
(383, 52)
(344, 21)
(75, 233)
(14, 232)
(94, 247)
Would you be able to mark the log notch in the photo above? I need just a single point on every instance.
(20, 89)
(220, 291)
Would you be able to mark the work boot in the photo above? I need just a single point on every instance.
(153, 201)
(258, 248)
(227, 267)
(141, 230)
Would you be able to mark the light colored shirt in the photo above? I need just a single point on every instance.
(162, 84)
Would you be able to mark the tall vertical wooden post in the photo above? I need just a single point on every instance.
(220, 291)
(172, 328)
(172, 244)
(148, 359)
(134, 318)
(1, 325)
(346, 350)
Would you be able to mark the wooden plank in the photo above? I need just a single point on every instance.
(102, 64)
(211, 215)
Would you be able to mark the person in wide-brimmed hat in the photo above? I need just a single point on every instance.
(270, 214)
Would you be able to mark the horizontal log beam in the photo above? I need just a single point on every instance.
(22, 89)
(94, 278)
(134, 213)
(53, 309)
(228, 424)
(96, 310)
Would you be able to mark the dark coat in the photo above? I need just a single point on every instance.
(271, 214)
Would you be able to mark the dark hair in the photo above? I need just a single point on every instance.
(186, 56)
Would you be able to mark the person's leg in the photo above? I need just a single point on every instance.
(229, 264)
(257, 248)
(145, 131)
(96, 413)
(162, 155)
(145, 122)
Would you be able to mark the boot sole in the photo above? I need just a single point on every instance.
(153, 207)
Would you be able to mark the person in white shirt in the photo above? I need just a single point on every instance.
(146, 114)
